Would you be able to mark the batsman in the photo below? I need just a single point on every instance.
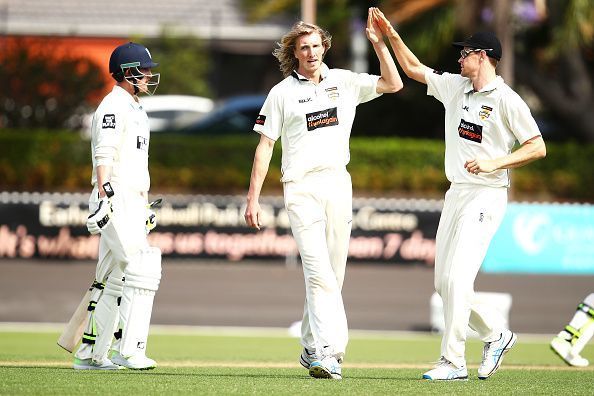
(128, 270)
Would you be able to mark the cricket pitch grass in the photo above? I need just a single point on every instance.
(221, 361)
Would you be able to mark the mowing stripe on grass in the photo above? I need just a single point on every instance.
(239, 331)
(248, 364)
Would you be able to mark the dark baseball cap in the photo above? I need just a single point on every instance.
(482, 40)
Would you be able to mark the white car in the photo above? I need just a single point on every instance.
(174, 112)
(166, 112)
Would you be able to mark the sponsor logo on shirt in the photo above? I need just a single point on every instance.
(109, 121)
(485, 112)
(141, 143)
(305, 100)
(261, 119)
(321, 119)
(469, 131)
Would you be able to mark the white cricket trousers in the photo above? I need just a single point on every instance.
(120, 241)
(320, 210)
(470, 217)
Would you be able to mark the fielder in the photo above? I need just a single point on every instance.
(128, 269)
(573, 338)
(312, 111)
(484, 117)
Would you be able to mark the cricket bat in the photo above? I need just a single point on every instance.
(76, 325)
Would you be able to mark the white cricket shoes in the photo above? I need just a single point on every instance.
(446, 371)
(134, 362)
(493, 353)
(307, 358)
(562, 347)
(90, 364)
(327, 367)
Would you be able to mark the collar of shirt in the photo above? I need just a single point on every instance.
(125, 94)
(487, 88)
(323, 72)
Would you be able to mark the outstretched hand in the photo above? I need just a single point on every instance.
(382, 22)
(374, 34)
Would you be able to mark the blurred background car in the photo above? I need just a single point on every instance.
(174, 112)
(166, 113)
(235, 115)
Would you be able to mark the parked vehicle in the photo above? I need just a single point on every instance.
(174, 112)
(236, 115)
(166, 113)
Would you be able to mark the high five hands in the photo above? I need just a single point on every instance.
(373, 31)
(377, 19)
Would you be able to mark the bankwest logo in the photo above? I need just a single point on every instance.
(468, 130)
(321, 119)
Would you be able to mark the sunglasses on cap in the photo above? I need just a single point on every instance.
(464, 53)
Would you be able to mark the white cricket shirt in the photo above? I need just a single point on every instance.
(314, 121)
(483, 124)
(120, 138)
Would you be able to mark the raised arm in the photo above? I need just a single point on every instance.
(262, 158)
(390, 80)
(407, 60)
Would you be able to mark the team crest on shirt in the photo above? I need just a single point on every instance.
(332, 93)
(485, 112)
(109, 121)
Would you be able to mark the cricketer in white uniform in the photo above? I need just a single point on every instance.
(570, 341)
(312, 111)
(128, 269)
(483, 119)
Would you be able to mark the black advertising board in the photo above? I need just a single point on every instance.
(391, 231)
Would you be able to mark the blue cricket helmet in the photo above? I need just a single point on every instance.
(130, 55)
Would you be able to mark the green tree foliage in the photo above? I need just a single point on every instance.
(333, 15)
(42, 87)
(557, 63)
(552, 53)
(59, 161)
(183, 63)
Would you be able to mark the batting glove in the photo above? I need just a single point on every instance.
(101, 218)
(151, 216)
(151, 220)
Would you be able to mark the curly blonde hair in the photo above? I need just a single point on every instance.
(285, 53)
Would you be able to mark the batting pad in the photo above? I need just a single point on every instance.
(142, 278)
(107, 315)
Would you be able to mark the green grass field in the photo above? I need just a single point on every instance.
(211, 362)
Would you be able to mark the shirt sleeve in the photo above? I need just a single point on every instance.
(365, 86)
(519, 118)
(270, 120)
(442, 85)
(108, 124)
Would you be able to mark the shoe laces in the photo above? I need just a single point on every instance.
(442, 361)
(487, 346)
(486, 350)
